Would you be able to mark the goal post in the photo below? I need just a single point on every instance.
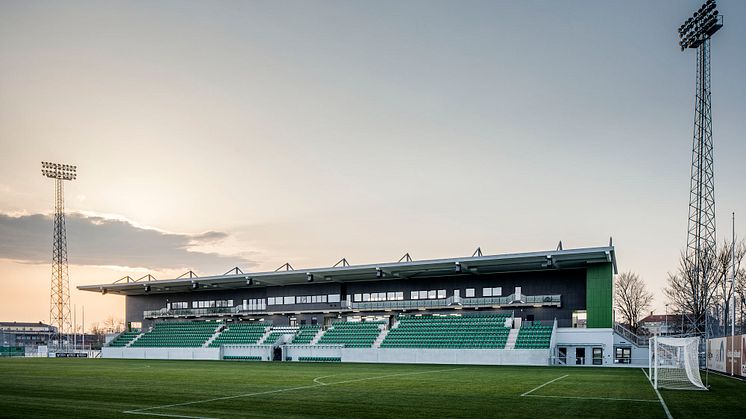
(674, 363)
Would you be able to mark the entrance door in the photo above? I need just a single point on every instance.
(579, 356)
(277, 354)
(598, 356)
(562, 355)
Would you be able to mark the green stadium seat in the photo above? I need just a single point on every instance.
(352, 334)
(468, 331)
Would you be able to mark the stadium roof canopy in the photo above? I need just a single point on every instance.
(512, 262)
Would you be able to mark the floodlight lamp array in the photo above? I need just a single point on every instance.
(58, 171)
(701, 26)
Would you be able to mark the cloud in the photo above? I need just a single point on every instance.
(96, 240)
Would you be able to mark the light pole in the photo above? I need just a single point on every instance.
(59, 298)
(695, 33)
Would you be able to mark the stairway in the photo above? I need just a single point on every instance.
(267, 332)
(134, 340)
(380, 338)
(318, 336)
(512, 338)
(217, 333)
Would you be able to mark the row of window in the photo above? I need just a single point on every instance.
(304, 299)
(254, 304)
(211, 304)
(259, 303)
(380, 296)
(428, 295)
(492, 292)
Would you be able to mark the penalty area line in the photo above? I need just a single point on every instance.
(134, 412)
(547, 383)
(146, 410)
(613, 399)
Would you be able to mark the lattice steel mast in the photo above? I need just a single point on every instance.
(696, 33)
(59, 297)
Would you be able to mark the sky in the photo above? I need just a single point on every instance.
(209, 135)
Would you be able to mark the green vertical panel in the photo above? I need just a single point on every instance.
(598, 298)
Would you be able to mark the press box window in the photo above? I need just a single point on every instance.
(492, 292)
(469, 292)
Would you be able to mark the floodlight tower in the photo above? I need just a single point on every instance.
(59, 299)
(696, 32)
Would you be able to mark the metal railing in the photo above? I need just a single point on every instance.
(514, 301)
(631, 336)
(507, 301)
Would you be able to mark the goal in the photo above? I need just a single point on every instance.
(674, 363)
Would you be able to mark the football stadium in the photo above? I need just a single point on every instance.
(515, 309)
(236, 132)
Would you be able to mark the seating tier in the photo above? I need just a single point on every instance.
(536, 336)
(449, 332)
(305, 335)
(240, 334)
(177, 335)
(123, 339)
(352, 334)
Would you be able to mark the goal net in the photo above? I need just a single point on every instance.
(674, 363)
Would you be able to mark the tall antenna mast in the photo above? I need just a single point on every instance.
(59, 297)
(696, 33)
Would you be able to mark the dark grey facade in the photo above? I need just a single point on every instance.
(569, 284)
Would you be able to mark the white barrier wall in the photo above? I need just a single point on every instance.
(423, 356)
(640, 354)
(573, 338)
(265, 351)
(161, 353)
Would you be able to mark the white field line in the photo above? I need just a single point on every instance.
(665, 408)
(594, 398)
(168, 415)
(548, 382)
(316, 380)
(318, 384)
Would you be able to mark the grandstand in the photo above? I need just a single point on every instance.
(305, 335)
(240, 334)
(177, 335)
(352, 334)
(124, 339)
(552, 307)
(449, 331)
(534, 337)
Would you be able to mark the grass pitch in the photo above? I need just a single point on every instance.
(32, 387)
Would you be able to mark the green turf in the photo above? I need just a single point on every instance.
(106, 388)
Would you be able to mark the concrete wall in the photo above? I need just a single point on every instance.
(162, 353)
(265, 351)
(573, 338)
(423, 356)
(640, 354)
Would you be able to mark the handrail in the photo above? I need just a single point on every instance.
(509, 301)
(631, 336)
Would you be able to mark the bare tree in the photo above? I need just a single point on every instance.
(727, 257)
(631, 298)
(693, 289)
(113, 325)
